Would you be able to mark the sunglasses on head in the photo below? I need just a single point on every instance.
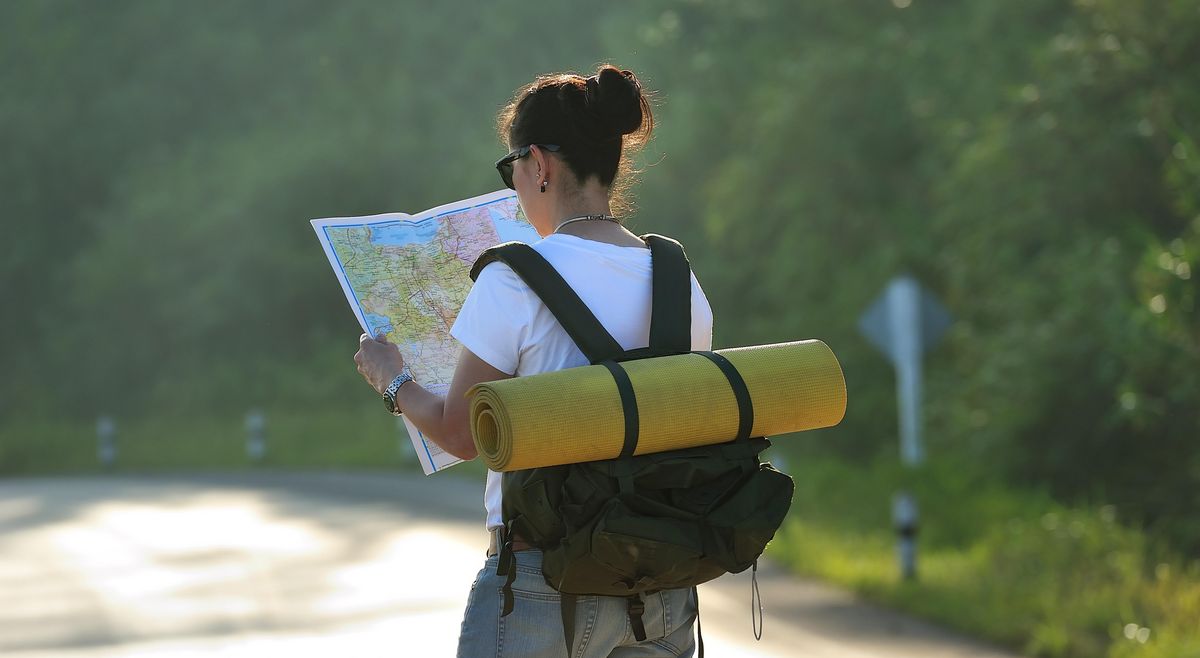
(505, 165)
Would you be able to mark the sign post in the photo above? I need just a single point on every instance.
(904, 322)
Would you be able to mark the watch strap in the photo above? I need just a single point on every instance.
(389, 394)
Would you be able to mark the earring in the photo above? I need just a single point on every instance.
(544, 181)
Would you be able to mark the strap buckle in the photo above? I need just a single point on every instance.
(636, 607)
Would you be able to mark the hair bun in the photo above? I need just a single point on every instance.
(615, 97)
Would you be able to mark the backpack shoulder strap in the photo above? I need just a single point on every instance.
(576, 318)
(671, 317)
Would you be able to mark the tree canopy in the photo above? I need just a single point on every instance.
(1036, 163)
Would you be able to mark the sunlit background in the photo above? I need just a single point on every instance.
(1034, 164)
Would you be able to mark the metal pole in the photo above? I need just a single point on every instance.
(904, 314)
(904, 322)
(778, 461)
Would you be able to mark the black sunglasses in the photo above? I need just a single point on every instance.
(505, 165)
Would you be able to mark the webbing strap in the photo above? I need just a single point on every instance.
(636, 608)
(671, 301)
(671, 316)
(755, 598)
(566, 607)
(740, 393)
(699, 633)
(580, 324)
(622, 470)
(628, 406)
(506, 566)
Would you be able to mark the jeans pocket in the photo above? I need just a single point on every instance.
(534, 627)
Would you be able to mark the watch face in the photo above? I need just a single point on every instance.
(390, 403)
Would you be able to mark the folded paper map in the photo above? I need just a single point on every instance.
(406, 276)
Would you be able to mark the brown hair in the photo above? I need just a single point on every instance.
(598, 122)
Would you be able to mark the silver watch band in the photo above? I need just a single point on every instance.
(389, 394)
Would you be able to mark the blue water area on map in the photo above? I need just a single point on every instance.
(510, 229)
(378, 324)
(402, 233)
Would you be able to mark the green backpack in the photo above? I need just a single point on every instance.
(639, 524)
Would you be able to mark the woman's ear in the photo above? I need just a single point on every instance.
(544, 165)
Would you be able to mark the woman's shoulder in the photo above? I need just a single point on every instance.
(497, 278)
(577, 250)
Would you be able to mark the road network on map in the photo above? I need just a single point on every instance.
(410, 277)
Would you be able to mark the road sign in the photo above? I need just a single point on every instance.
(876, 323)
(904, 322)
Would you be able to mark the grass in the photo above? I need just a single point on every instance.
(345, 437)
(1005, 564)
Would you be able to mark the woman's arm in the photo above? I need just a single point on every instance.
(444, 420)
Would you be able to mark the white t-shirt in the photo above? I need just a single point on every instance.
(504, 323)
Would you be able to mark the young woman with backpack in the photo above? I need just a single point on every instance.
(570, 138)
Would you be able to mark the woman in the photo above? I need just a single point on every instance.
(571, 138)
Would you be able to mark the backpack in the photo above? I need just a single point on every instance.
(639, 524)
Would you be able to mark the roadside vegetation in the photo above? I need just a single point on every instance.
(1034, 163)
(1011, 565)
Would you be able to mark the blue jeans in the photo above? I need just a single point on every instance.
(534, 627)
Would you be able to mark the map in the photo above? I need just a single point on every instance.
(406, 276)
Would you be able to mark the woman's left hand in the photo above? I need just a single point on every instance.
(378, 361)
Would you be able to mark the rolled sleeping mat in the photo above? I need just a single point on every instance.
(680, 401)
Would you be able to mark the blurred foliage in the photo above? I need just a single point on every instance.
(1035, 163)
(1011, 565)
(1031, 162)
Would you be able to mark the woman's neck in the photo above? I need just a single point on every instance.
(591, 199)
(598, 230)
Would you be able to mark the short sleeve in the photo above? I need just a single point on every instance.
(702, 318)
(494, 322)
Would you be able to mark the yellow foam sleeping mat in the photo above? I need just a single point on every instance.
(683, 401)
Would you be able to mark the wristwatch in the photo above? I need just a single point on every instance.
(389, 394)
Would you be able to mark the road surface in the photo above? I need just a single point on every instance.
(346, 565)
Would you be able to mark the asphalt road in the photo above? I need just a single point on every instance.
(327, 564)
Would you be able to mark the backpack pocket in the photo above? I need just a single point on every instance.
(648, 552)
(534, 496)
(623, 552)
(742, 524)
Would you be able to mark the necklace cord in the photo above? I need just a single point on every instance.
(580, 218)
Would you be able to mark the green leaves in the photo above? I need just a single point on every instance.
(1035, 163)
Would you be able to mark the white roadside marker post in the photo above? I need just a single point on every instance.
(106, 442)
(905, 520)
(256, 436)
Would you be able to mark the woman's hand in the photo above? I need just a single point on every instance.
(378, 361)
